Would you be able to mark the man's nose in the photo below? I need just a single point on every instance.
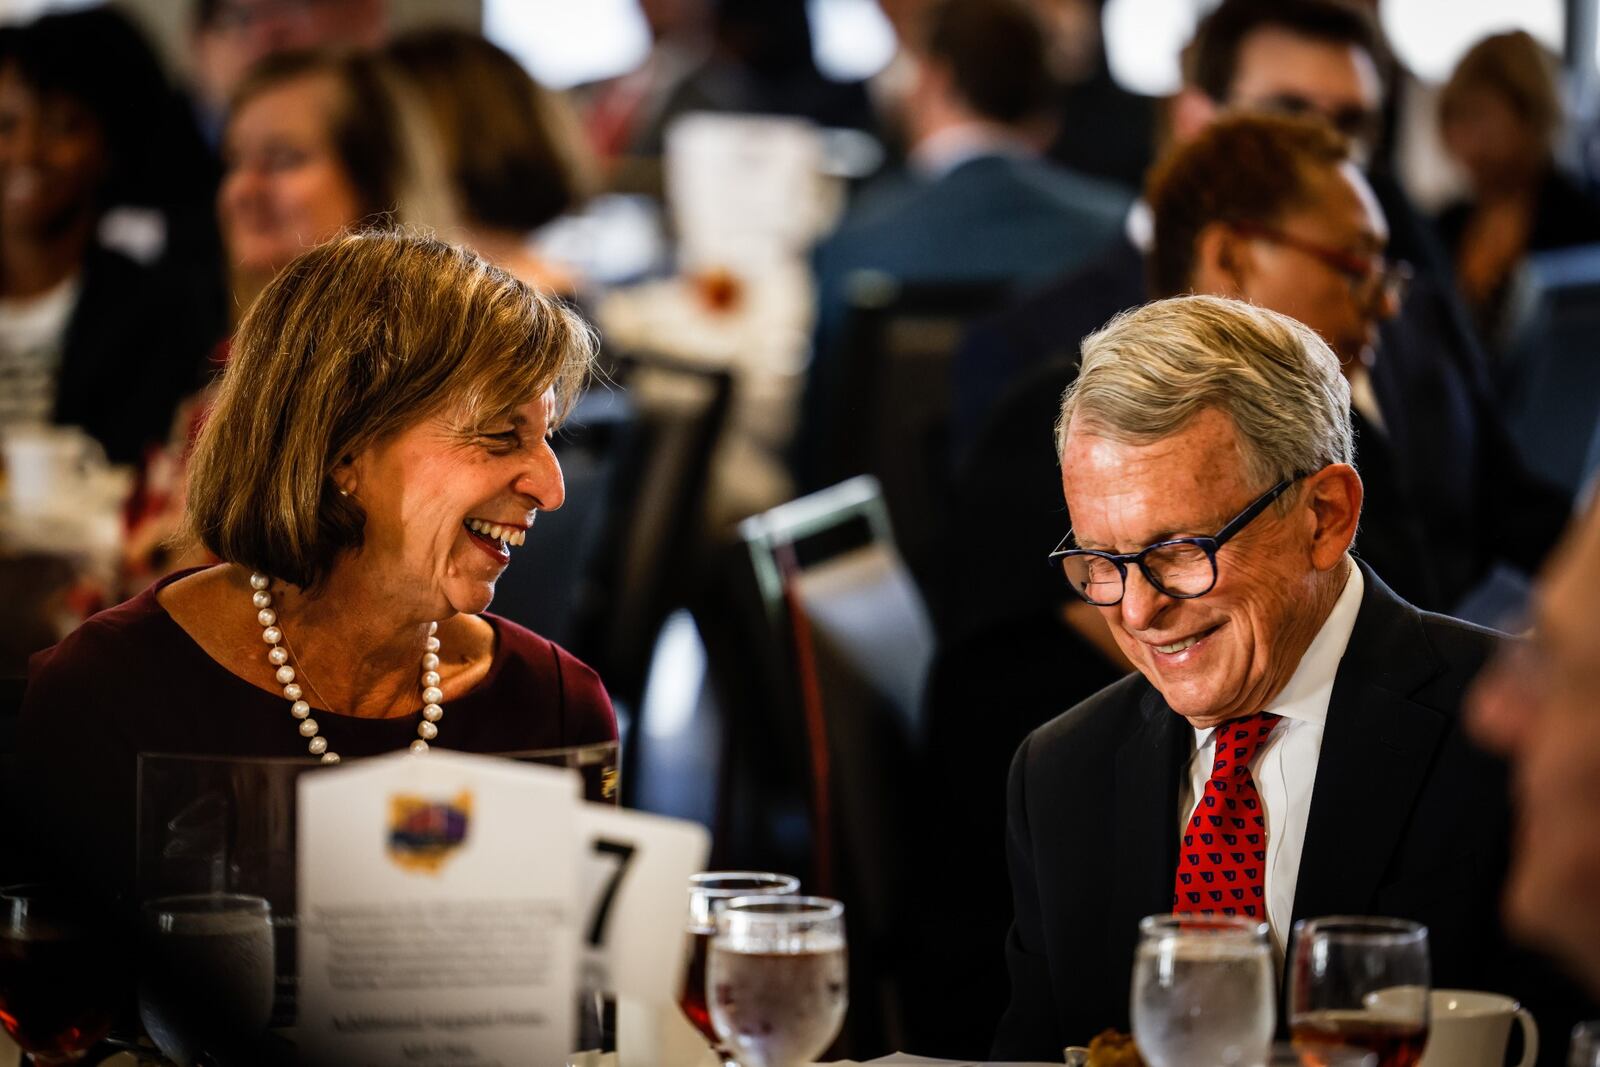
(1141, 601)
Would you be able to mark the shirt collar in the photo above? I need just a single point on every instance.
(940, 153)
(1311, 686)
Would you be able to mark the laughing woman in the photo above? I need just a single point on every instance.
(378, 450)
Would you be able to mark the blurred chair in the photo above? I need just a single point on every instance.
(1550, 375)
(890, 403)
(849, 641)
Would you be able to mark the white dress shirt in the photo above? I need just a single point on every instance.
(1285, 767)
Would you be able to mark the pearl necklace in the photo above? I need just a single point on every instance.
(278, 656)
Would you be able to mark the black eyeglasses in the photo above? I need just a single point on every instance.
(1182, 568)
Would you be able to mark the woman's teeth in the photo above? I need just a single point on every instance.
(511, 535)
(1179, 647)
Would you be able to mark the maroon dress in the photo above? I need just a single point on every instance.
(131, 680)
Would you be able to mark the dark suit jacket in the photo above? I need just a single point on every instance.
(1408, 819)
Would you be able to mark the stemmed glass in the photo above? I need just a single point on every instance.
(58, 974)
(1202, 991)
(1361, 983)
(708, 892)
(777, 978)
(207, 981)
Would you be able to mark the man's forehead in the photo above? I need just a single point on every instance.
(1277, 62)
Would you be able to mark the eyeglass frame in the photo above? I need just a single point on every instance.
(1209, 545)
(1391, 279)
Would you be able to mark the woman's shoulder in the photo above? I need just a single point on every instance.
(124, 633)
(524, 659)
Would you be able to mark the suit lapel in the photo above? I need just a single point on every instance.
(1147, 769)
(1377, 749)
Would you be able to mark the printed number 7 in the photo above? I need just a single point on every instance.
(624, 853)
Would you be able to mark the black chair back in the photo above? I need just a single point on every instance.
(894, 402)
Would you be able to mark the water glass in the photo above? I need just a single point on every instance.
(777, 978)
(207, 978)
(1203, 991)
(1361, 983)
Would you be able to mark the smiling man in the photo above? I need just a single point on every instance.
(1291, 744)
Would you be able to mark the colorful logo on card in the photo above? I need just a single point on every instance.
(424, 833)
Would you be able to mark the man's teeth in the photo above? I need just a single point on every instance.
(1179, 647)
(511, 535)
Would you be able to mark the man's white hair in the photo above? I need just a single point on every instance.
(1152, 369)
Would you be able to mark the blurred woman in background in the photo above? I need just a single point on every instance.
(1501, 117)
(512, 150)
(88, 336)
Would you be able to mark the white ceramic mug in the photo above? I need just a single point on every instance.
(1470, 1029)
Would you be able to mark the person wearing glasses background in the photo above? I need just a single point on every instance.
(1291, 744)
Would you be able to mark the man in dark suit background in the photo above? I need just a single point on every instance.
(977, 203)
(1206, 461)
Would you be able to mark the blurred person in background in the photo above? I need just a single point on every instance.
(624, 116)
(511, 149)
(1104, 130)
(317, 143)
(229, 37)
(1501, 116)
(1537, 706)
(88, 336)
(978, 203)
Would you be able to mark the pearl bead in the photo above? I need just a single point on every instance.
(292, 691)
(432, 695)
(261, 598)
(318, 745)
(432, 644)
(427, 731)
(330, 757)
(432, 712)
(430, 678)
(299, 709)
(430, 662)
(278, 656)
(266, 616)
(272, 635)
(308, 728)
(433, 628)
(259, 581)
(419, 745)
(285, 675)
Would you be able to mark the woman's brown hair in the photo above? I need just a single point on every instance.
(1517, 68)
(354, 341)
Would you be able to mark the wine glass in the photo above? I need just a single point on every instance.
(776, 978)
(1361, 983)
(1203, 991)
(58, 974)
(207, 981)
(708, 891)
(1286, 1055)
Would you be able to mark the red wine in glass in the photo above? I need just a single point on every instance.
(1396, 1042)
(57, 980)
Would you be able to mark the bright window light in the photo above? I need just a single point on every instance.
(1431, 36)
(1144, 39)
(851, 39)
(563, 43)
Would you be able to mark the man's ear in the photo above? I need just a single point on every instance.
(1223, 261)
(1334, 496)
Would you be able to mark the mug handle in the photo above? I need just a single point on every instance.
(1530, 1037)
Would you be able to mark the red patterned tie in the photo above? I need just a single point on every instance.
(1222, 864)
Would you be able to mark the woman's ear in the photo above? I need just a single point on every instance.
(1222, 261)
